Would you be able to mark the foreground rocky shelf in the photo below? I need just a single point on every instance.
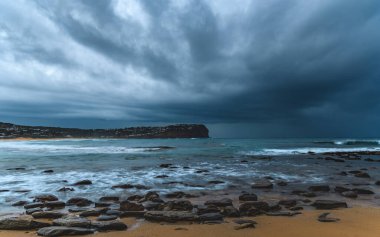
(79, 216)
(8, 131)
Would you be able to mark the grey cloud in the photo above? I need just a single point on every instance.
(293, 65)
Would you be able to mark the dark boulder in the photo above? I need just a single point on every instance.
(178, 205)
(211, 217)
(262, 184)
(362, 191)
(248, 197)
(45, 198)
(329, 204)
(83, 182)
(47, 215)
(170, 216)
(219, 203)
(109, 225)
(79, 201)
(319, 188)
(349, 194)
(131, 206)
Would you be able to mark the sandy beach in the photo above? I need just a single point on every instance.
(354, 222)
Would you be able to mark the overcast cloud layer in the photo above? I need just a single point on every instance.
(277, 67)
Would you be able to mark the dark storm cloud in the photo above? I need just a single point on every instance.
(298, 65)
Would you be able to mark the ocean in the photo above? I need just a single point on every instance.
(167, 165)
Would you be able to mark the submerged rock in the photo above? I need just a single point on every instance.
(79, 201)
(319, 188)
(83, 182)
(45, 198)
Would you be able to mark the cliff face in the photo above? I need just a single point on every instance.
(8, 130)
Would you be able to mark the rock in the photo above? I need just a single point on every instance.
(219, 203)
(151, 196)
(244, 221)
(77, 209)
(170, 216)
(296, 208)
(319, 188)
(30, 211)
(48, 171)
(283, 213)
(63, 231)
(73, 221)
(34, 205)
(45, 198)
(109, 199)
(83, 182)
(19, 203)
(282, 183)
(165, 165)
(47, 215)
(93, 212)
(66, 189)
(377, 183)
(132, 214)
(202, 209)
(340, 189)
(323, 218)
(130, 186)
(113, 212)
(106, 218)
(153, 206)
(304, 193)
(262, 184)
(20, 223)
(349, 194)
(230, 211)
(216, 182)
(362, 175)
(131, 206)
(211, 217)
(244, 226)
(177, 194)
(135, 198)
(253, 208)
(288, 202)
(248, 197)
(178, 205)
(161, 176)
(78, 201)
(362, 191)
(329, 204)
(108, 225)
(102, 204)
(55, 204)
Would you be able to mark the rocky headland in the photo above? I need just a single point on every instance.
(12, 131)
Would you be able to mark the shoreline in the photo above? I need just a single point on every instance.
(354, 222)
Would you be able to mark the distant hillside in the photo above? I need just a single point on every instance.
(8, 130)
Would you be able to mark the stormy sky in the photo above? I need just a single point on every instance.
(273, 68)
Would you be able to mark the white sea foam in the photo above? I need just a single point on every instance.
(295, 151)
(69, 149)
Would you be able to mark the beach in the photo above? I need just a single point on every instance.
(190, 187)
(355, 222)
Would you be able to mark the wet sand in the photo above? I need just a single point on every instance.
(355, 222)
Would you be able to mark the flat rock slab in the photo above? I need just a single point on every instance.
(47, 215)
(170, 216)
(283, 213)
(20, 223)
(108, 225)
(329, 204)
(63, 231)
(73, 221)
